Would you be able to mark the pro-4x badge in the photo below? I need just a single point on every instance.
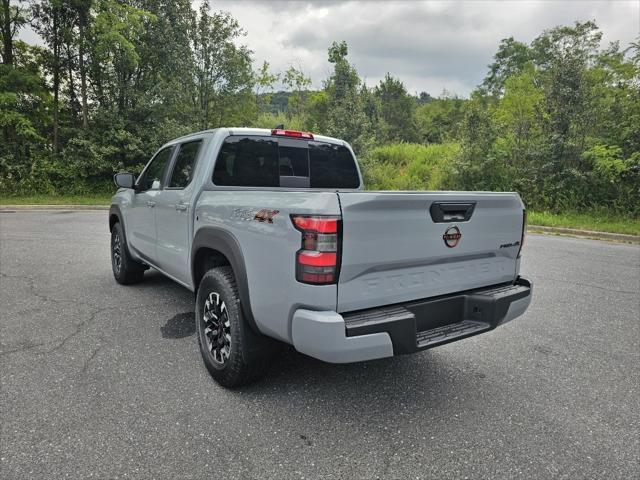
(452, 237)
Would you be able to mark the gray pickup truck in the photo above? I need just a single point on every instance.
(273, 231)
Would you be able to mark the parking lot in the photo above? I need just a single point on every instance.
(99, 380)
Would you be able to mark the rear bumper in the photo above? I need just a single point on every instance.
(407, 327)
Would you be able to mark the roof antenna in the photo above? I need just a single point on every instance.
(280, 126)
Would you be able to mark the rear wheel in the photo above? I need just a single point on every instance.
(221, 336)
(125, 269)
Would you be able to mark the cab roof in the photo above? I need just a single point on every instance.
(249, 131)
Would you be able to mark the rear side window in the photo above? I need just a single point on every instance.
(332, 166)
(184, 164)
(247, 162)
(255, 161)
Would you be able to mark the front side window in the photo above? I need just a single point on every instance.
(151, 178)
(185, 164)
(255, 161)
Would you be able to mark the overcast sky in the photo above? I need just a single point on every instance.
(430, 46)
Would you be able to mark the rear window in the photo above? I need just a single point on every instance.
(253, 161)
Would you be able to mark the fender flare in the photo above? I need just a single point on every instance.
(228, 245)
(115, 210)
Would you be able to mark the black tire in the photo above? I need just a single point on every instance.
(218, 288)
(125, 269)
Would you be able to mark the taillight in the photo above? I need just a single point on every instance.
(291, 133)
(524, 231)
(318, 260)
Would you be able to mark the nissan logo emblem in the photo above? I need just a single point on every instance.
(452, 237)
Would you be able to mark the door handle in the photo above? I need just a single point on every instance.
(445, 212)
(151, 204)
(182, 206)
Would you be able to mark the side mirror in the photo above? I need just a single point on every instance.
(124, 180)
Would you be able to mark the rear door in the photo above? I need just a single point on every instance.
(401, 246)
(141, 217)
(173, 213)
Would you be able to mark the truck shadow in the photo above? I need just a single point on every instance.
(416, 384)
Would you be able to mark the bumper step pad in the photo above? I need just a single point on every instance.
(450, 332)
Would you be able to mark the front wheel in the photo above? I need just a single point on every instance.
(220, 333)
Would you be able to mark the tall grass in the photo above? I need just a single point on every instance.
(409, 166)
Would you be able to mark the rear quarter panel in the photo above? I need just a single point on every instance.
(269, 249)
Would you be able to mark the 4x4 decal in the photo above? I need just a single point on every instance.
(266, 215)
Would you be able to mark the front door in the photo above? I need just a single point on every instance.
(173, 214)
(141, 219)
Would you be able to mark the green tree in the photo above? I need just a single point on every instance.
(52, 20)
(84, 18)
(563, 55)
(264, 80)
(164, 80)
(25, 105)
(345, 116)
(518, 116)
(222, 69)
(318, 111)
(12, 18)
(12, 79)
(438, 120)
(475, 168)
(509, 60)
(560, 124)
(397, 109)
(297, 83)
(116, 36)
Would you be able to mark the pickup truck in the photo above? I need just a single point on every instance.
(274, 233)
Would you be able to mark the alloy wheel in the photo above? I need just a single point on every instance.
(116, 246)
(217, 329)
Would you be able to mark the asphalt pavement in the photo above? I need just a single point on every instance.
(100, 380)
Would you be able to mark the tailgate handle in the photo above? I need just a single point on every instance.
(445, 212)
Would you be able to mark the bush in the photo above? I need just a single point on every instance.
(409, 166)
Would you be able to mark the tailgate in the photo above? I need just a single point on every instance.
(401, 246)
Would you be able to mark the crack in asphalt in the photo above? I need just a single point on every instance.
(30, 281)
(33, 290)
(87, 362)
(78, 328)
(21, 347)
